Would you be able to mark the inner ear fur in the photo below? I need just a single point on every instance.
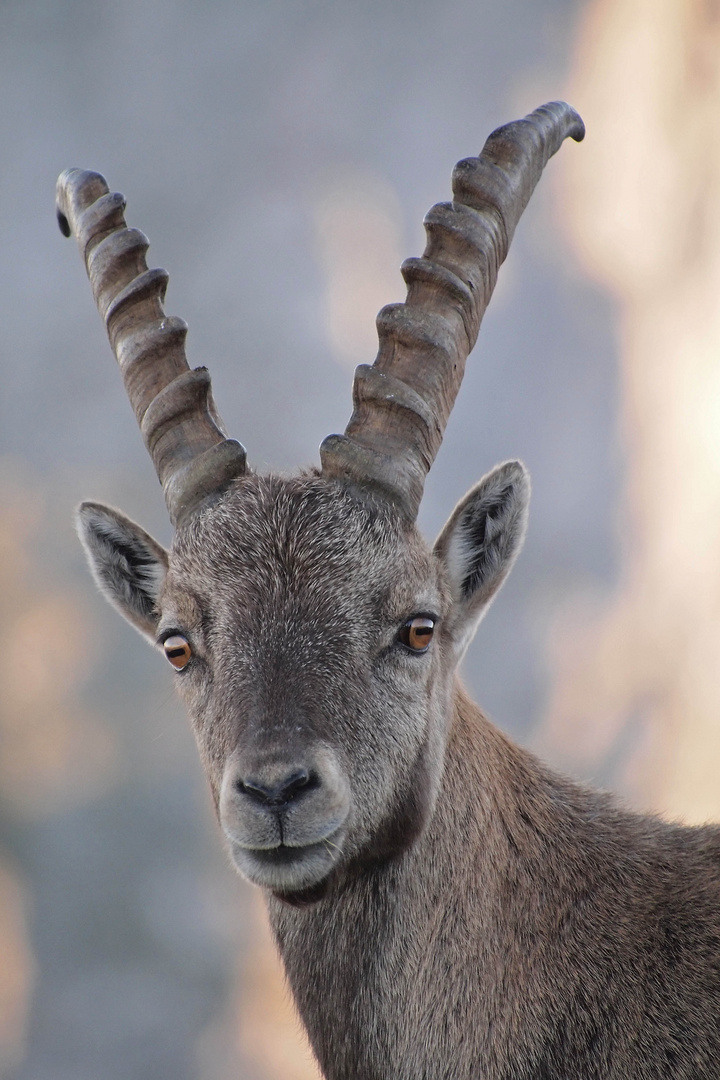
(483, 537)
(128, 565)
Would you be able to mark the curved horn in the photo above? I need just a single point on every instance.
(173, 405)
(402, 403)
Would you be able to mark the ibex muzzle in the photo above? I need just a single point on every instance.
(446, 908)
(284, 815)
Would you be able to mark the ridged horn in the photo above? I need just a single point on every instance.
(403, 402)
(173, 405)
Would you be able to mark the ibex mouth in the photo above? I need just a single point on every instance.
(285, 815)
(288, 869)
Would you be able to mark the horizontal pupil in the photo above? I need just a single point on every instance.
(419, 633)
(177, 652)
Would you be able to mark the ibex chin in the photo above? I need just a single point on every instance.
(444, 905)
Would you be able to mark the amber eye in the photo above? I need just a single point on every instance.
(416, 634)
(178, 651)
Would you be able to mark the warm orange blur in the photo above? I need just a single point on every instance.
(51, 753)
(637, 673)
(17, 969)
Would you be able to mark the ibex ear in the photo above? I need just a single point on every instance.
(129, 567)
(481, 541)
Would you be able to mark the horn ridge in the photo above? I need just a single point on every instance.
(137, 355)
(424, 342)
(173, 405)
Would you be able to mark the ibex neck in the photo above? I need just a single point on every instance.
(406, 947)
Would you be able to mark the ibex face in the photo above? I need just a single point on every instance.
(314, 633)
(321, 641)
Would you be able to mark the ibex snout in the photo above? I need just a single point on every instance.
(284, 815)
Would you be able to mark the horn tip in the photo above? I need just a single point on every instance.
(75, 190)
(574, 125)
(63, 222)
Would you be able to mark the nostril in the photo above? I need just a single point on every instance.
(279, 794)
(296, 783)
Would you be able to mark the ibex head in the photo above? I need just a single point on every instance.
(314, 634)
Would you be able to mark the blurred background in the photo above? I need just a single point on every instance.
(260, 146)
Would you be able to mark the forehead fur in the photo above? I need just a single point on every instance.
(277, 534)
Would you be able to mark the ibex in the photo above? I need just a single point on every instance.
(445, 906)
